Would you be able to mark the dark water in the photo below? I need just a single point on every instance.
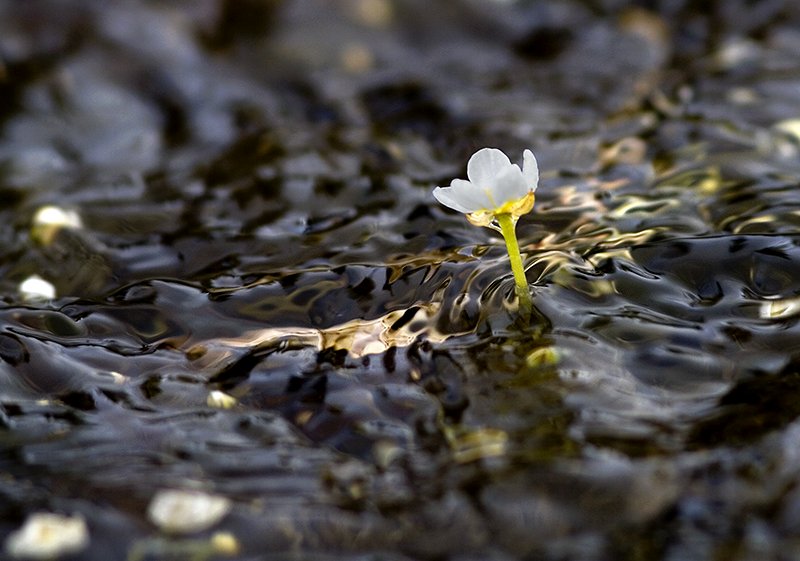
(254, 179)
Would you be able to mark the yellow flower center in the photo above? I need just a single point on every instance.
(515, 208)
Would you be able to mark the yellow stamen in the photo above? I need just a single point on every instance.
(515, 208)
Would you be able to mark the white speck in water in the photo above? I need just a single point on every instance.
(36, 288)
(183, 512)
(47, 536)
(55, 216)
(220, 400)
(779, 308)
(48, 220)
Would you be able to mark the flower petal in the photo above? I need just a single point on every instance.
(449, 198)
(464, 196)
(530, 170)
(509, 185)
(473, 195)
(485, 165)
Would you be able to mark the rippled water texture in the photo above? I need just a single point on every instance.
(261, 299)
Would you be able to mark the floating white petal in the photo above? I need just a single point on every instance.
(47, 536)
(55, 216)
(220, 400)
(36, 288)
(48, 220)
(779, 309)
(182, 512)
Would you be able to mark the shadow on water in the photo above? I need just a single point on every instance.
(261, 299)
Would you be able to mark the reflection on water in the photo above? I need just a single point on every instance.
(257, 297)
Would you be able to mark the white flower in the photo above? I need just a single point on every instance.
(36, 288)
(47, 536)
(495, 186)
(48, 220)
(178, 511)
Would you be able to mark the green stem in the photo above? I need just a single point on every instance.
(507, 225)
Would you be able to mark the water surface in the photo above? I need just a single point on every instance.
(254, 184)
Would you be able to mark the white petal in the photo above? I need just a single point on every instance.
(445, 196)
(36, 288)
(473, 196)
(54, 216)
(180, 511)
(221, 400)
(463, 196)
(530, 170)
(485, 165)
(48, 536)
(509, 186)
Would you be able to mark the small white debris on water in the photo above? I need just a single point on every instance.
(183, 512)
(36, 288)
(55, 216)
(48, 220)
(221, 400)
(118, 377)
(47, 536)
(790, 127)
(778, 309)
(225, 543)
